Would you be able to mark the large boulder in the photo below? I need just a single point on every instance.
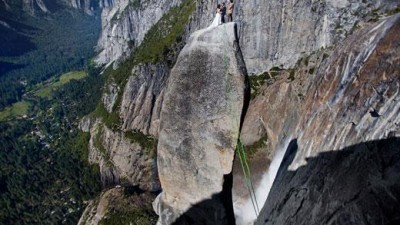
(200, 122)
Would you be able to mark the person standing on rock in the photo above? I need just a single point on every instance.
(223, 12)
(231, 6)
(217, 18)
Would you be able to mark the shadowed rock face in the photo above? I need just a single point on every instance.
(200, 121)
(359, 184)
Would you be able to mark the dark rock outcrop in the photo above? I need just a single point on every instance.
(359, 184)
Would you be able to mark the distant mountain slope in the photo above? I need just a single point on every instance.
(36, 47)
(14, 40)
(34, 7)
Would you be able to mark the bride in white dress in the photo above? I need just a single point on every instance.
(217, 19)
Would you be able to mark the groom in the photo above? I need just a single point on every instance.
(223, 12)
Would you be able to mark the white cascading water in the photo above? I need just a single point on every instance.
(245, 215)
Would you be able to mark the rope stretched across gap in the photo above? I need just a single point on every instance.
(240, 148)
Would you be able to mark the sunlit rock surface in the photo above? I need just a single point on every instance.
(279, 32)
(110, 96)
(200, 120)
(118, 205)
(124, 25)
(142, 98)
(121, 158)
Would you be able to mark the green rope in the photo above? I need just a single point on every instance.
(240, 148)
(247, 175)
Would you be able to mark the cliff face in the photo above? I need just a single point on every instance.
(126, 158)
(360, 86)
(125, 127)
(345, 94)
(352, 98)
(275, 32)
(200, 119)
(143, 97)
(125, 24)
(272, 33)
(31, 5)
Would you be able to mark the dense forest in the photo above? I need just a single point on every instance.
(36, 48)
(45, 177)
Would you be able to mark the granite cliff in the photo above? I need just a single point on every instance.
(124, 25)
(275, 33)
(271, 33)
(124, 128)
(350, 98)
(200, 120)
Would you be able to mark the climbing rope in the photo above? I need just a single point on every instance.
(240, 148)
(241, 151)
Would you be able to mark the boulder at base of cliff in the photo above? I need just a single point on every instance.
(200, 122)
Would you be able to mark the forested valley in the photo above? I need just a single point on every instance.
(47, 83)
(35, 48)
